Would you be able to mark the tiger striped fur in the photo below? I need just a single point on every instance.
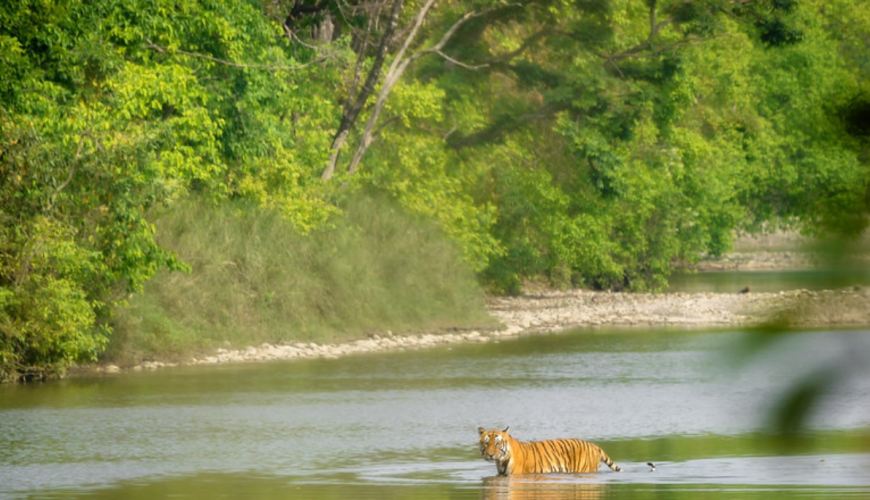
(541, 457)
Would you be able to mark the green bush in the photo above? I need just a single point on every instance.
(48, 319)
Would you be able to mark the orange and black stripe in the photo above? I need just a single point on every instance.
(565, 456)
(559, 456)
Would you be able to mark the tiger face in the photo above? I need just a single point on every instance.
(494, 444)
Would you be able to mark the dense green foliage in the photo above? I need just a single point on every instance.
(587, 143)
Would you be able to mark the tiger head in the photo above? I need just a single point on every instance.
(494, 444)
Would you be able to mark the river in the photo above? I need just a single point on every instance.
(768, 281)
(403, 424)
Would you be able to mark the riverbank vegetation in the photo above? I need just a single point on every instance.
(254, 280)
(588, 144)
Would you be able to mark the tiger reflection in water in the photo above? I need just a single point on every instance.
(540, 487)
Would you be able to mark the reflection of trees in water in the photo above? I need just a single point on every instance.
(539, 487)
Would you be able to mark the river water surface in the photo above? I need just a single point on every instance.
(767, 281)
(403, 424)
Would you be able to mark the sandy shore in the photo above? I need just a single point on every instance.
(549, 312)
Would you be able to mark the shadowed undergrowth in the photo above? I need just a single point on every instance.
(255, 279)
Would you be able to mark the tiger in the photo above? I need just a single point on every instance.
(541, 457)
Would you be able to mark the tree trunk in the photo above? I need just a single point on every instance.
(322, 33)
(352, 111)
(397, 68)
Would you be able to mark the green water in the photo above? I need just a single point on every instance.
(403, 425)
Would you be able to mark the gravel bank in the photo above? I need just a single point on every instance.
(551, 312)
(556, 311)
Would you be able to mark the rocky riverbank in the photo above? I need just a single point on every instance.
(553, 311)
(557, 311)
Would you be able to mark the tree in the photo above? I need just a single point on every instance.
(109, 109)
(357, 99)
(588, 143)
(602, 143)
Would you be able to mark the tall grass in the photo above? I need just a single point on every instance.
(254, 279)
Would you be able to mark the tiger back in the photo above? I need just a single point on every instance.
(566, 456)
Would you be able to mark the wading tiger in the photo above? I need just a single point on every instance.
(540, 457)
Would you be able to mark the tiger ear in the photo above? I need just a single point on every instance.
(506, 429)
(481, 430)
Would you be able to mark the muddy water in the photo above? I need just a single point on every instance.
(403, 425)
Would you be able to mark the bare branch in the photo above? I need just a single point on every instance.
(22, 273)
(686, 42)
(612, 63)
(294, 38)
(71, 172)
(448, 35)
(418, 21)
(459, 63)
(656, 28)
(359, 63)
(384, 126)
(452, 129)
(355, 106)
(397, 68)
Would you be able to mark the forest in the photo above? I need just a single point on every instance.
(581, 143)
